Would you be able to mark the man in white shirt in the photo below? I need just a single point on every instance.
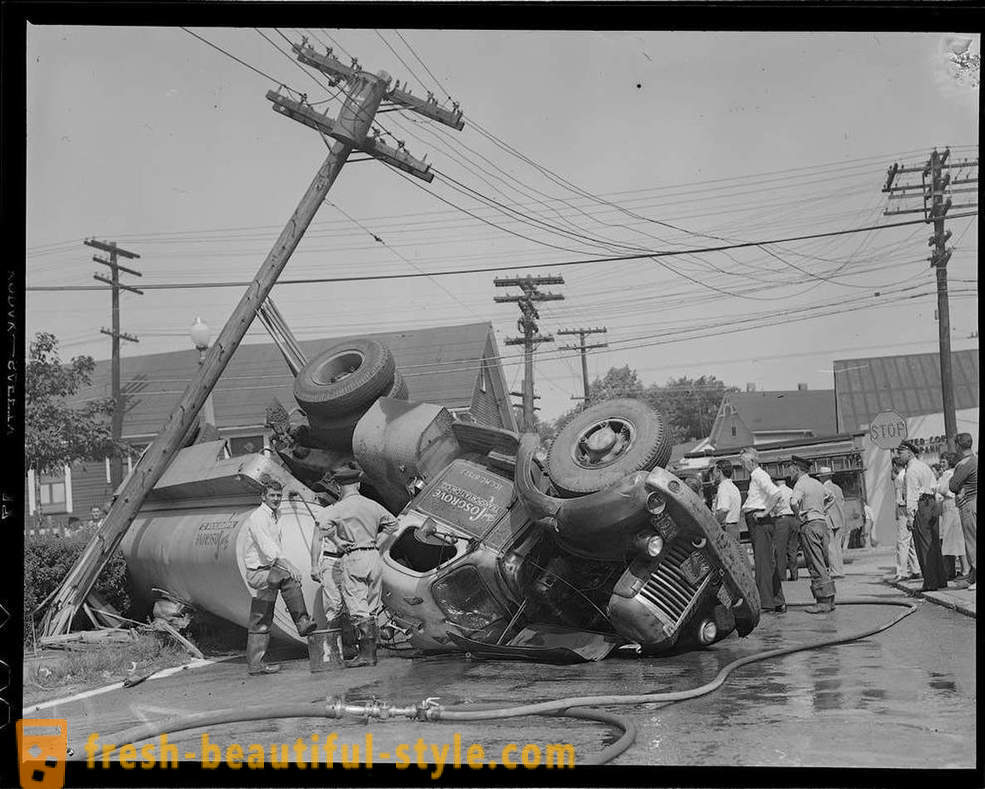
(728, 500)
(907, 565)
(787, 532)
(269, 571)
(760, 500)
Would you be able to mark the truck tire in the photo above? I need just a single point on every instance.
(604, 443)
(398, 391)
(344, 378)
(336, 433)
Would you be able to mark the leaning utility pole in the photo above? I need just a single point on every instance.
(116, 427)
(582, 347)
(528, 327)
(936, 188)
(350, 129)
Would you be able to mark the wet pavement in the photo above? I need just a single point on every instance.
(901, 698)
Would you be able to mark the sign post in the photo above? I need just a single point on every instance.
(887, 430)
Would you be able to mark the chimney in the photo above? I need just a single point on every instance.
(801, 387)
(750, 387)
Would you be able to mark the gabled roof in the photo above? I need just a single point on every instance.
(909, 384)
(796, 410)
(438, 364)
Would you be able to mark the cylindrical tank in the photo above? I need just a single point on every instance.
(195, 549)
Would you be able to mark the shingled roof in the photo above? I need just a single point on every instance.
(438, 364)
(807, 410)
(909, 384)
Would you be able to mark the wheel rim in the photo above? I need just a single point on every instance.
(337, 368)
(603, 443)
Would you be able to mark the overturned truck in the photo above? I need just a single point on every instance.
(502, 549)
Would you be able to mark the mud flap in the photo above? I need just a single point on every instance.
(544, 643)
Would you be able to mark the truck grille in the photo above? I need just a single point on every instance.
(668, 592)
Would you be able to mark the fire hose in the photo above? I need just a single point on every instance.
(573, 707)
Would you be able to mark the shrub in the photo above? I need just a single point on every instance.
(48, 560)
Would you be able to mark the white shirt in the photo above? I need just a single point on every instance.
(761, 487)
(263, 547)
(870, 516)
(728, 498)
(919, 479)
(943, 488)
(783, 503)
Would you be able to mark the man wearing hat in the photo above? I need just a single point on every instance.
(353, 524)
(964, 483)
(922, 515)
(834, 508)
(326, 560)
(807, 501)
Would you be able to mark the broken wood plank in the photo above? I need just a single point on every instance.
(160, 624)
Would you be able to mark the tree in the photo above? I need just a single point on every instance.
(56, 433)
(690, 404)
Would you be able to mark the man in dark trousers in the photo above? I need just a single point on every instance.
(964, 484)
(787, 532)
(807, 501)
(353, 524)
(269, 571)
(761, 498)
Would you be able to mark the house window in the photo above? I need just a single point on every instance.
(733, 430)
(245, 445)
(54, 492)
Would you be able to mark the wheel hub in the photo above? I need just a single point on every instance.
(603, 443)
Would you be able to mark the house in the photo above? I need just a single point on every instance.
(750, 418)
(457, 367)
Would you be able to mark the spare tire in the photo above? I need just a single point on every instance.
(398, 390)
(346, 377)
(337, 433)
(604, 443)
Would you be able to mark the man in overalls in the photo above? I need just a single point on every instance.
(354, 524)
(269, 571)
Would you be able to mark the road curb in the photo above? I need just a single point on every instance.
(945, 598)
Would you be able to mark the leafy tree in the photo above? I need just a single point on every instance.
(690, 404)
(56, 433)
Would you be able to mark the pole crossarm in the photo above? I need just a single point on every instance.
(532, 297)
(427, 107)
(119, 285)
(306, 115)
(534, 338)
(597, 330)
(111, 264)
(528, 281)
(109, 247)
(120, 334)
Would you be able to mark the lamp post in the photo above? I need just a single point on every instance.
(201, 336)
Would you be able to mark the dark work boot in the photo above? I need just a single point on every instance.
(349, 636)
(367, 644)
(824, 605)
(294, 600)
(256, 649)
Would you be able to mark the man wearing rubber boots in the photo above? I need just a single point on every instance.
(268, 571)
(326, 565)
(353, 524)
(807, 501)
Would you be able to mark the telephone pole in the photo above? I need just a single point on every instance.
(936, 188)
(350, 131)
(582, 347)
(527, 326)
(116, 427)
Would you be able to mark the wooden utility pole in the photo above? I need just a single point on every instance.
(116, 427)
(350, 129)
(583, 348)
(527, 325)
(936, 188)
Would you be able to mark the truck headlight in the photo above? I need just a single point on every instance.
(655, 503)
(653, 544)
(707, 631)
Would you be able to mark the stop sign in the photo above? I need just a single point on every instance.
(887, 430)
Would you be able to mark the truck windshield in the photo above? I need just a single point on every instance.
(468, 496)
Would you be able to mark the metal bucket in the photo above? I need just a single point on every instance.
(325, 649)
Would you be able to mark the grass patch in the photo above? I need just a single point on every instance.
(56, 672)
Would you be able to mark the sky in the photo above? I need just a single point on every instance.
(577, 145)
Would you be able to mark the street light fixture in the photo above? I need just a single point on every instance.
(201, 336)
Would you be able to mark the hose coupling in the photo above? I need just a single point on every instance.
(429, 709)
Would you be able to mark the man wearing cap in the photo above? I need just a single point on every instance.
(807, 501)
(269, 571)
(834, 509)
(760, 500)
(920, 486)
(354, 524)
(787, 538)
(728, 500)
(964, 484)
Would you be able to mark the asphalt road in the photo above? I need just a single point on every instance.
(902, 698)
